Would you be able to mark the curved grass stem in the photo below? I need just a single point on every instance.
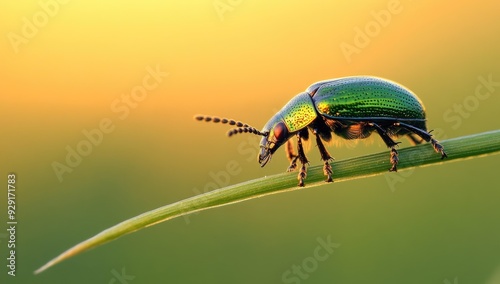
(458, 148)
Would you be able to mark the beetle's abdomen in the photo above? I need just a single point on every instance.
(367, 97)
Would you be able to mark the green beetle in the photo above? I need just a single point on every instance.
(350, 107)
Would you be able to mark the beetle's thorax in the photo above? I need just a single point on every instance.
(298, 113)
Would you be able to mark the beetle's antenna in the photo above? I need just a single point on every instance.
(240, 126)
(237, 130)
(223, 120)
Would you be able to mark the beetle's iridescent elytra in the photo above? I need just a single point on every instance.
(350, 107)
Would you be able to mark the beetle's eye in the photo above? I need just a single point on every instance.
(280, 131)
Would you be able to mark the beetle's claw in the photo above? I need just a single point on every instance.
(443, 153)
(438, 148)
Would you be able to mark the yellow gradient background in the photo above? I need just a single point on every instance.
(65, 66)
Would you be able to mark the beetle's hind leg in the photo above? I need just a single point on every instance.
(391, 144)
(414, 139)
(325, 156)
(426, 136)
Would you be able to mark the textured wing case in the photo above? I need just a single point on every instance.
(367, 97)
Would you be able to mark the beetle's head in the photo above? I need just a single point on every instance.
(297, 114)
(277, 134)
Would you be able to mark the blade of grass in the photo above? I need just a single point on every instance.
(458, 148)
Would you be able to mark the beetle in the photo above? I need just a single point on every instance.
(350, 107)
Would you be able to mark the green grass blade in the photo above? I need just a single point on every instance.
(458, 148)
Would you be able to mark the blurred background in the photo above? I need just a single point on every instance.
(97, 106)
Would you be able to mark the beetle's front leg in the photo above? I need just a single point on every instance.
(325, 156)
(303, 160)
(292, 157)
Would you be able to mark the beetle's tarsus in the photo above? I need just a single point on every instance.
(327, 170)
(302, 175)
(427, 137)
(394, 160)
(438, 148)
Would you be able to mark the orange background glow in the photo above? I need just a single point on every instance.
(68, 65)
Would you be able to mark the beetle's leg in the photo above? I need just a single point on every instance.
(325, 156)
(292, 157)
(426, 136)
(414, 138)
(391, 144)
(303, 160)
(394, 160)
